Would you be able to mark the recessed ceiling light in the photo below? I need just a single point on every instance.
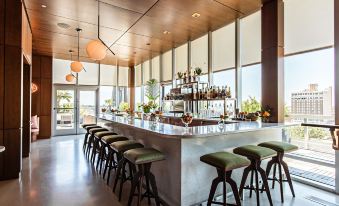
(64, 25)
(196, 15)
(148, 44)
(43, 6)
(166, 32)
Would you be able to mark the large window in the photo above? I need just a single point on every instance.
(156, 68)
(91, 76)
(223, 48)
(107, 97)
(199, 53)
(138, 98)
(146, 72)
(166, 66)
(108, 75)
(225, 78)
(60, 69)
(181, 54)
(251, 88)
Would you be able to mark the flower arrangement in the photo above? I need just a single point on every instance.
(187, 119)
(147, 107)
(103, 110)
(266, 113)
(123, 106)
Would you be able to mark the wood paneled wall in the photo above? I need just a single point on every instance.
(11, 73)
(272, 22)
(131, 83)
(42, 99)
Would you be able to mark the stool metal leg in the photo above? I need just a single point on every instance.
(243, 180)
(251, 183)
(234, 187)
(214, 186)
(265, 182)
(85, 142)
(257, 187)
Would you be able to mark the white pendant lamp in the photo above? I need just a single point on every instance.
(96, 50)
(76, 66)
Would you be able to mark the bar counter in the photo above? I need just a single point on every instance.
(182, 179)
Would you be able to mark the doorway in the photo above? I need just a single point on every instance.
(73, 106)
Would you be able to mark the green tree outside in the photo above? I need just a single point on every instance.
(250, 105)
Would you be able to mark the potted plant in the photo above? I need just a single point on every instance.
(152, 90)
(266, 113)
(197, 73)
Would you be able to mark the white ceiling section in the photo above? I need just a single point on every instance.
(251, 39)
(166, 66)
(108, 75)
(223, 48)
(308, 24)
(199, 53)
(181, 54)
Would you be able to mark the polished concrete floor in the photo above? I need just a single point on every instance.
(57, 173)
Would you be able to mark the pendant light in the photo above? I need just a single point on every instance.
(70, 77)
(96, 49)
(76, 66)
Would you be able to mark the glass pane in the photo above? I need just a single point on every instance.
(181, 54)
(108, 75)
(156, 68)
(60, 69)
(145, 72)
(310, 29)
(309, 97)
(251, 39)
(91, 76)
(225, 78)
(65, 109)
(87, 104)
(138, 99)
(137, 75)
(251, 88)
(123, 96)
(199, 53)
(123, 76)
(223, 48)
(166, 66)
(107, 97)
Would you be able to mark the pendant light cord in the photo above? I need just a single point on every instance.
(99, 31)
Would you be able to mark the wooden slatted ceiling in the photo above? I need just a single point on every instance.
(116, 16)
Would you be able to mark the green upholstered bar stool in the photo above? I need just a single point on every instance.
(225, 163)
(119, 148)
(142, 158)
(255, 154)
(90, 143)
(96, 144)
(281, 148)
(105, 141)
(87, 127)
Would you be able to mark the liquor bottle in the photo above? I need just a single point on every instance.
(228, 93)
(194, 94)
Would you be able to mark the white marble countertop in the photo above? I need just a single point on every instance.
(196, 131)
(2, 148)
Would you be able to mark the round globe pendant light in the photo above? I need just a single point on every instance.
(76, 66)
(69, 77)
(96, 50)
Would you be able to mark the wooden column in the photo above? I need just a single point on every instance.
(11, 62)
(42, 99)
(273, 57)
(131, 85)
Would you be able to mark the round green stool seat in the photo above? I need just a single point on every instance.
(143, 155)
(87, 125)
(95, 130)
(104, 133)
(255, 152)
(281, 147)
(123, 146)
(225, 160)
(113, 138)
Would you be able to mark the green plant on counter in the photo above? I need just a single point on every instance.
(123, 106)
(108, 102)
(152, 90)
(180, 75)
(147, 107)
(198, 71)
